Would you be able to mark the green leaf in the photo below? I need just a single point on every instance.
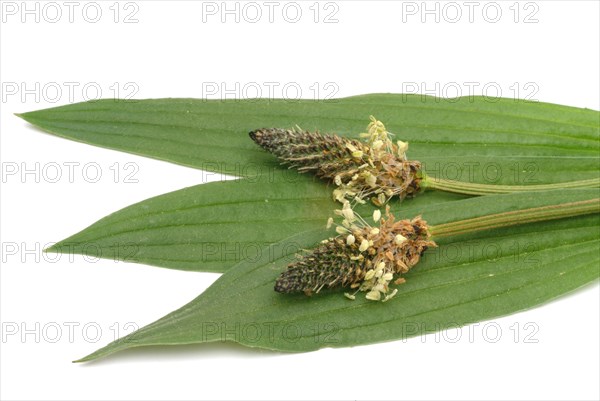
(207, 227)
(469, 278)
(469, 139)
(212, 227)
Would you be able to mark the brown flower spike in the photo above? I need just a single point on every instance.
(361, 257)
(377, 168)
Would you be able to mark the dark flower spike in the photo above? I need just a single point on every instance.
(361, 257)
(377, 169)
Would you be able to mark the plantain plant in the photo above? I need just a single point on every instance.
(276, 212)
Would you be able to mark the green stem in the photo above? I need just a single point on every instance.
(470, 188)
(515, 217)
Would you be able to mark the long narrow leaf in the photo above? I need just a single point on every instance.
(213, 226)
(469, 138)
(467, 279)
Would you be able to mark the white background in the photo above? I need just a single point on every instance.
(182, 49)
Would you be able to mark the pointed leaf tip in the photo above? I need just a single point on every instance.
(51, 249)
